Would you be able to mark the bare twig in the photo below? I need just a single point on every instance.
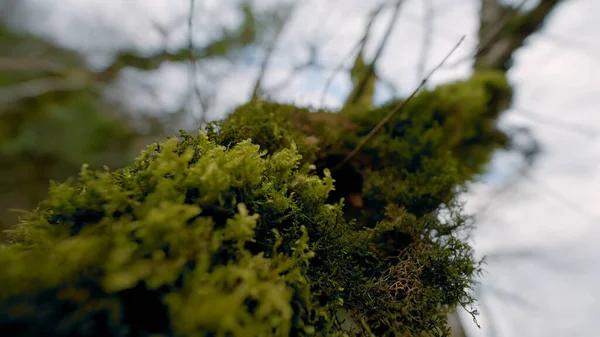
(270, 49)
(573, 44)
(491, 37)
(39, 87)
(396, 109)
(389, 84)
(358, 46)
(542, 256)
(497, 28)
(194, 88)
(295, 71)
(25, 64)
(511, 297)
(577, 128)
(428, 32)
(558, 196)
(371, 68)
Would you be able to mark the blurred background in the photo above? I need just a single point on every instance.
(95, 81)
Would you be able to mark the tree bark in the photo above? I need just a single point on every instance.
(503, 30)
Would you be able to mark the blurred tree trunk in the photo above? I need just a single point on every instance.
(503, 29)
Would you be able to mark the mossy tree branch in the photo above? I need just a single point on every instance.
(504, 29)
(364, 74)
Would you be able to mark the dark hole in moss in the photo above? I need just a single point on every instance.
(394, 241)
(144, 310)
(127, 210)
(251, 305)
(79, 219)
(348, 180)
(223, 255)
(44, 314)
(189, 266)
(191, 194)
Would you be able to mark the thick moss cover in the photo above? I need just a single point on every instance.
(251, 229)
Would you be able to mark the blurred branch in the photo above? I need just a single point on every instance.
(493, 19)
(230, 41)
(367, 77)
(573, 44)
(310, 63)
(510, 297)
(558, 196)
(165, 30)
(39, 87)
(389, 84)
(359, 46)
(428, 33)
(540, 255)
(193, 74)
(557, 123)
(504, 29)
(270, 49)
(25, 64)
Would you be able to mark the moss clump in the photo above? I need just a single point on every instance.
(244, 231)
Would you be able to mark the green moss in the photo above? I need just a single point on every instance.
(173, 230)
(251, 229)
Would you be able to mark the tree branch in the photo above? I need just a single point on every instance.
(500, 38)
(359, 46)
(193, 75)
(25, 64)
(428, 32)
(395, 110)
(356, 93)
(270, 49)
(230, 41)
(39, 87)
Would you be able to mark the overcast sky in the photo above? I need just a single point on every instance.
(556, 77)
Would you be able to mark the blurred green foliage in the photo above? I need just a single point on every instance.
(53, 116)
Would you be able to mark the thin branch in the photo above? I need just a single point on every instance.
(508, 39)
(38, 87)
(577, 128)
(492, 35)
(25, 64)
(270, 49)
(389, 84)
(500, 191)
(572, 43)
(558, 196)
(396, 109)
(371, 68)
(511, 297)
(195, 89)
(358, 46)
(295, 71)
(428, 33)
(498, 27)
